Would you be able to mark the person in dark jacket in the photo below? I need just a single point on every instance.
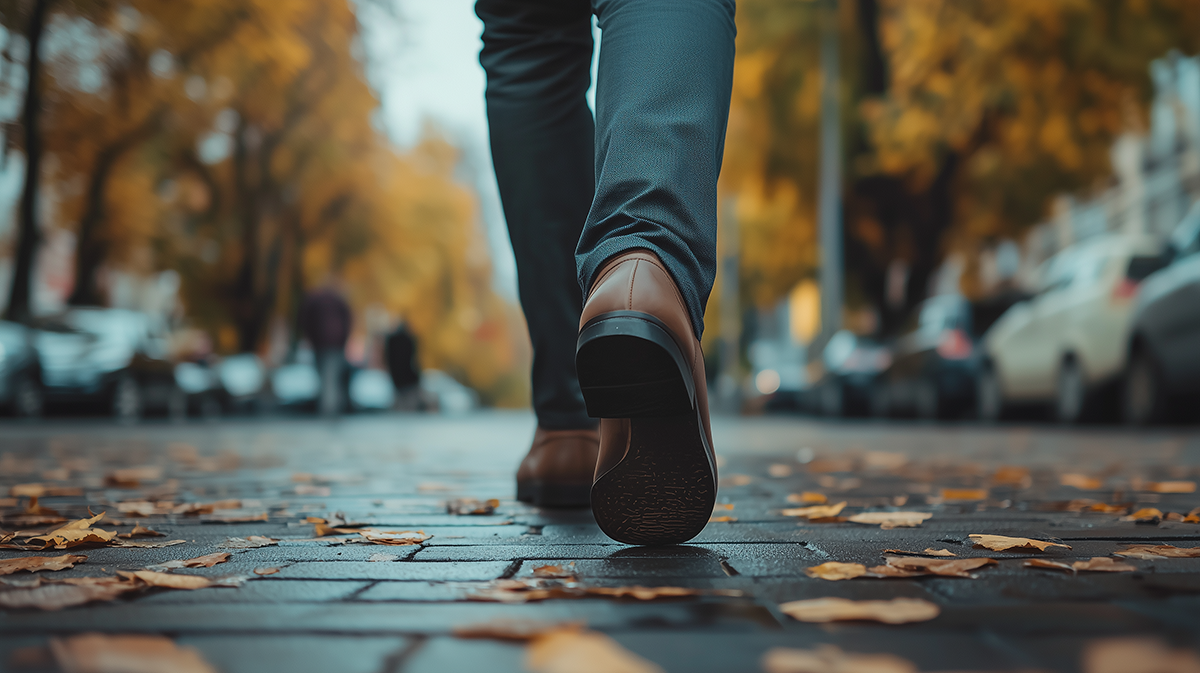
(400, 354)
(325, 321)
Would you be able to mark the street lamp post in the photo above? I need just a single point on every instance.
(829, 196)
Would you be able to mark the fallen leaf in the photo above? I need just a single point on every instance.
(779, 470)
(555, 571)
(1171, 486)
(1012, 475)
(964, 494)
(1157, 551)
(145, 544)
(808, 497)
(1192, 516)
(252, 542)
(521, 630)
(890, 520)
(27, 490)
(196, 508)
(723, 506)
(722, 519)
(816, 511)
(1145, 515)
(832, 570)
(393, 537)
(895, 611)
(383, 558)
(737, 480)
(167, 580)
(96, 653)
(132, 477)
(1004, 543)
(35, 563)
(1081, 482)
(1103, 564)
(885, 460)
(206, 561)
(140, 531)
(72, 534)
(573, 651)
(471, 506)
(265, 571)
(539, 589)
(1048, 564)
(1137, 655)
(641, 593)
(896, 566)
(234, 516)
(929, 551)
(830, 659)
(66, 593)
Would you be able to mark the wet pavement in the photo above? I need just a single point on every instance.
(336, 602)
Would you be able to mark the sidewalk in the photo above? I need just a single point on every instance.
(339, 602)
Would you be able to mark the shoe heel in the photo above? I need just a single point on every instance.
(629, 366)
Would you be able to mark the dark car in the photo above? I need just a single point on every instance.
(20, 375)
(851, 365)
(1164, 346)
(110, 359)
(933, 368)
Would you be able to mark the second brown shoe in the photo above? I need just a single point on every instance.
(641, 369)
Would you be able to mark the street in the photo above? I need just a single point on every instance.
(316, 598)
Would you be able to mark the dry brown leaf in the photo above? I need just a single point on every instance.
(167, 580)
(520, 630)
(66, 593)
(896, 566)
(265, 571)
(132, 477)
(723, 507)
(1157, 551)
(27, 490)
(1145, 515)
(33, 564)
(96, 653)
(737, 480)
(1137, 655)
(383, 558)
(471, 506)
(252, 542)
(1192, 516)
(206, 561)
(72, 534)
(808, 498)
(1004, 543)
(779, 470)
(539, 589)
(885, 460)
(1048, 564)
(832, 570)
(895, 611)
(1171, 486)
(830, 659)
(555, 571)
(234, 516)
(396, 538)
(196, 508)
(144, 507)
(145, 544)
(1103, 564)
(642, 593)
(573, 651)
(929, 551)
(890, 520)
(722, 519)
(1105, 508)
(1081, 482)
(964, 494)
(140, 531)
(1012, 475)
(816, 511)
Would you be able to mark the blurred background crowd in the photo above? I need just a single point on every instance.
(931, 208)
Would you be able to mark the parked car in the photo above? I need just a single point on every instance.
(20, 374)
(934, 366)
(1164, 344)
(114, 358)
(1066, 347)
(851, 365)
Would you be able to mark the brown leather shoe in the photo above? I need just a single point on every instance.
(557, 471)
(641, 370)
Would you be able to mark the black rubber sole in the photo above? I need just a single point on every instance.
(663, 490)
(544, 494)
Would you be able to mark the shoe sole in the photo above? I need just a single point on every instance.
(663, 489)
(546, 494)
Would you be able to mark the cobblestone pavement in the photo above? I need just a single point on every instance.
(330, 607)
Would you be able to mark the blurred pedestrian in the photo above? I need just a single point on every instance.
(619, 210)
(325, 321)
(400, 354)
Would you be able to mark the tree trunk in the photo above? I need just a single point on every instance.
(89, 249)
(21, 290)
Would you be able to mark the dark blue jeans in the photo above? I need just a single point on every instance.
(643, 174)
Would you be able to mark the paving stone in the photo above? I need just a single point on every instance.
(399, 570)
(442, 655)
(297, 654)
(261, 591)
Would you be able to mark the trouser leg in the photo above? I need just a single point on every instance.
(662, 103)
(537, 55)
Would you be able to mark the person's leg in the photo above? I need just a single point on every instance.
(662, 103)
(537, 55)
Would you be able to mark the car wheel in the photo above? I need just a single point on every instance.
(927, 402)
(1071, 397)
(832, 400)
(127, 400)
(989, 400)
(1143, 400)
(28, 398)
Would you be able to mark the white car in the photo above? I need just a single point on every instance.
(1066, 347)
